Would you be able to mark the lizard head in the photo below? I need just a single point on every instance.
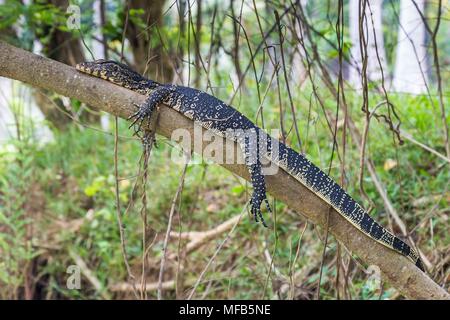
(115, 72)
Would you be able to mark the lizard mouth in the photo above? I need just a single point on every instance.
(108, 70)
(79, 66)
(94, 68)
(85, 67)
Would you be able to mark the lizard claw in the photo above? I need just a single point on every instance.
(135, 117)
(255, 205)
(138, 116)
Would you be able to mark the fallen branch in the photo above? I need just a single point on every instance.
(48, 74)
(410, 138)
(211, 260)
(89, 274)
(166, 285)
(199, 238)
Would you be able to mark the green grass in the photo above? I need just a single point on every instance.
(46, 190)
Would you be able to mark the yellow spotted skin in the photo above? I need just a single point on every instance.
(215, 115)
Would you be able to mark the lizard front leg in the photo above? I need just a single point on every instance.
(146, 109)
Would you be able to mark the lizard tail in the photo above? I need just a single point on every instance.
(321, 184)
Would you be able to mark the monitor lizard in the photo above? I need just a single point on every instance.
(213, 114)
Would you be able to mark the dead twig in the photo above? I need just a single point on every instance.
(169, 225)
(202, 274)
(199, 238)
(89, 274)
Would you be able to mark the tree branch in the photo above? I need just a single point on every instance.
(48, 74)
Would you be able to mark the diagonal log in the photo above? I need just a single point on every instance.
(45, 73)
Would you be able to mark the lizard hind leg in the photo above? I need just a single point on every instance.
(249, 142)
(259, 193)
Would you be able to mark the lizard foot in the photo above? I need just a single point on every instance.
(146, 109)
(138, 116)
(255, 206)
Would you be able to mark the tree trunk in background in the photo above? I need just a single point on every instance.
(16, 99)
(298, 71)
(154, 61)
(235, 49)
(64, 47)
(180, 50)
(100, 48)
(6, 117)
(198, 34)
(410, 73)
(373, 30)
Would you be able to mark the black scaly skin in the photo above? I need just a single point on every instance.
(215, 115)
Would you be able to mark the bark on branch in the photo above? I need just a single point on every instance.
(48, 74)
